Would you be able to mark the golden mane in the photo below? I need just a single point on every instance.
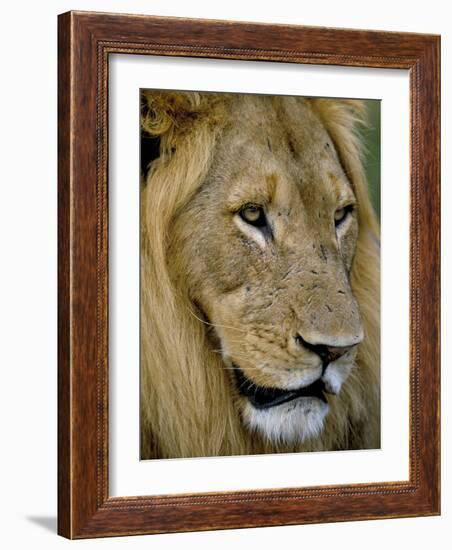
(186, 404)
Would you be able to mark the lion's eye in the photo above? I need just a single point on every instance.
(254, 215)
(341, 214)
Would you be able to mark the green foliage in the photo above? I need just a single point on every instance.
(372, 158)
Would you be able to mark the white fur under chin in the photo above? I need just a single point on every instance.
(299, 420)
(290, 423)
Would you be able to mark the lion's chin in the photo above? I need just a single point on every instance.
(289, 423)
(282, 416)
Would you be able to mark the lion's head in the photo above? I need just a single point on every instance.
(259, 278)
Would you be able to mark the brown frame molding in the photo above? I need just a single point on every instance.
(85, 41)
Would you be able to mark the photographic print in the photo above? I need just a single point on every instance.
(260, 274)
(233, 286)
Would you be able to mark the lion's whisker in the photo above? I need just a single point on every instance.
(215, 325)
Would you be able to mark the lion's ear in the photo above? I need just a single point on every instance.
(164, 117)
(356, 108)
(168, 117)
(345, 114)
(162, 112)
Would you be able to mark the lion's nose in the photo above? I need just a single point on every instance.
(327, 354)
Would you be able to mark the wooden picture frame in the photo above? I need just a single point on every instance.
(85, 42)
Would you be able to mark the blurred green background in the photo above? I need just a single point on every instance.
(372, 146)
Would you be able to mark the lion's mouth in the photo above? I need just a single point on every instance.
(264, 398)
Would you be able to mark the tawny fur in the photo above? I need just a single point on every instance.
(188, 404)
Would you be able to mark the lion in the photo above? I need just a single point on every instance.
(259, 277)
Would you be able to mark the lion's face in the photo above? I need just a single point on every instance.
(271, 240)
